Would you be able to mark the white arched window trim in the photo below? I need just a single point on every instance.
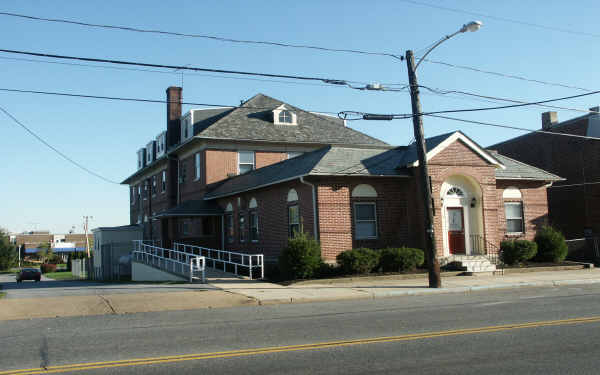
(364, 191)
(455, 192)
(252, 203)
(512, 192)
(229, 208)
(292, 195)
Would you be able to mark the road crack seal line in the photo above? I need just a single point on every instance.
(291, 348)
(107, 302)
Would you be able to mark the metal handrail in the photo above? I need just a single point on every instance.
(249, 261)
(481, 246)
(178, 262)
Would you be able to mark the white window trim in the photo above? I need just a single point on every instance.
(356, 221)
(297, 205)
(198, 166)
(253, 212)
(280, 109)
(163, 183)
(239, 163)
(242, 233)
(522, 218)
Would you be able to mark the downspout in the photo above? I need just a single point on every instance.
(314, 204)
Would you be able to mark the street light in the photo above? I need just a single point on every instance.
(433, 265)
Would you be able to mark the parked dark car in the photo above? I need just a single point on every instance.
(29, 274)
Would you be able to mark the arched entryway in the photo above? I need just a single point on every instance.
(462, 216)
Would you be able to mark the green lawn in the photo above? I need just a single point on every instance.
(2, 294)
(64, 275)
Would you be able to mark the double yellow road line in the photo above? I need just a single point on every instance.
(291, 348)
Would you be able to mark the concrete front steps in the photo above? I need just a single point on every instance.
(469, 263)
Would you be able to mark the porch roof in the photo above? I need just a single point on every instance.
(192, 208)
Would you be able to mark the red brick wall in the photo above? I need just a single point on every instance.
(458, 159)
(535, 207)
(262, 159)
(571, 209)
(272, 218)
(219, 163)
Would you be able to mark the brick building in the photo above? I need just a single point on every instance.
(245, 179)
(574, 204)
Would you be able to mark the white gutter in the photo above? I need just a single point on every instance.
(314, 203)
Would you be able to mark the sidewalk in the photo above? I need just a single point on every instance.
(234, 292)
(373, 287)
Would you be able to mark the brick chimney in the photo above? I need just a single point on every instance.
(548, 120)
(173, 116)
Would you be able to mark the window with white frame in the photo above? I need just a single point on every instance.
(253, 226)
(365, 220)
(242, 223)
(285, 117)
(154, 178)
(245, 161)
(198, 166)
(514, 217)
(164, 181)
(145, 189)
(293, 220)
(229, 223)
(139, 192)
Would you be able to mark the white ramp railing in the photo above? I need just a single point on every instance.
(188, 265)
(228, 261)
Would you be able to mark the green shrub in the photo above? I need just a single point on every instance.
(328, 270)
(47, 267)
(515, 252)
(8, 252)
(551, 245)
(301, 258)
(358, 261)
(401, 259)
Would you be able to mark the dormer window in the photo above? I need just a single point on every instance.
(284, 116)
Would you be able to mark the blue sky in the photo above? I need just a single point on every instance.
(39, 187)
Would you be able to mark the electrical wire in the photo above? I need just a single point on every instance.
(178, 73)
(495, 98)
(77, 164)
(512, 127)
(504, 19)
(203, 36)
(118, 98)
(505, 75)
(331, 81)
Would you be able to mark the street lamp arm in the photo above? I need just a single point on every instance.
(471, 26)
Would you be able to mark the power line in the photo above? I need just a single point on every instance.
(203, 36)
(142, 100)
(77, 164)
(512, 127)
(495, 98)
(331, 81)
(505, 75)
(178, 73)
(504, 19)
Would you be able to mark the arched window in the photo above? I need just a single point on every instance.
(229, 223)
(252, 203)
(292, 195)
(285, 117)
(511, 192)
(364, 191)
(229, 208)
(455, 192)
(513, 211)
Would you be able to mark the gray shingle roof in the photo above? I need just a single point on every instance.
(254, 121)
(515, 170)
(356, 161)
(326, 161)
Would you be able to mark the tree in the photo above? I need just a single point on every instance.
(44, 251)
(8, 253)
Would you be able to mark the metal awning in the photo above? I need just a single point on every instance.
(192, 208)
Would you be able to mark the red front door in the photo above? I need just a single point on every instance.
(456, 230)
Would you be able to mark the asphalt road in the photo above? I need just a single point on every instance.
(56, 288)
(444, 334)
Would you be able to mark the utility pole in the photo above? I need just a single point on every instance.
(435, 281)
(85, 228)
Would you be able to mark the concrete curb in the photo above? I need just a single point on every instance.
(427, 291)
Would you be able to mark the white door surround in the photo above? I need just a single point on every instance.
(458, 191)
